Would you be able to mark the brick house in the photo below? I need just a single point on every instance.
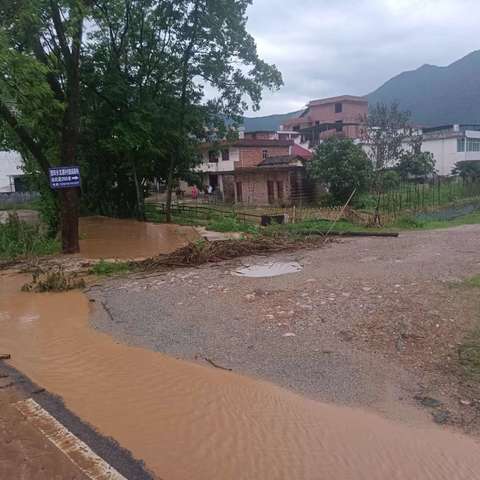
(330, 116)
(277, 180)
(241, 171)
(268, 167)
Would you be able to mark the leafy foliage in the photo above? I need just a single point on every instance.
(104, 268)
(19, 239)
(143, 69)
(343, 167)
(415, 165)
(468, 170)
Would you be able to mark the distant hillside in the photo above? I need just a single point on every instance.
(437, 95)
(271, 122)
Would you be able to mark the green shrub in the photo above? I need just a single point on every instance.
(103, 268)
(20, 239)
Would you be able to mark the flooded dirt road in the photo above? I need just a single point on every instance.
(191, 422)
(103, 237)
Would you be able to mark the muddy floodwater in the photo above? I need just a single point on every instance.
(187, 421)
(103, 237)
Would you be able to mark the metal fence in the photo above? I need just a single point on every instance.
(13, 198)
(431, 195)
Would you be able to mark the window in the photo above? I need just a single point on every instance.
(264, 154)
(339, 125)
(225, 154)
(473, 144)
(338, 108)
(213, 156)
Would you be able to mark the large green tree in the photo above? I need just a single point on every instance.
(148, 71)
(214, 50)
(343, 166)
(40, 62)
(128, 98)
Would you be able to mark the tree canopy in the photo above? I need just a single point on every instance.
(343, 166)
(126, 88)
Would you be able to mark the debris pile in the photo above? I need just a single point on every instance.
(54, 280)
(202, 252)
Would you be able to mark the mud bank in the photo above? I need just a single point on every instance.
(188, 421)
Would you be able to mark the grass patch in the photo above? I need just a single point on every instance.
(19, 239)
(312, 227)
(410, 223)
(107, 269)
(473, 281)
(33, 205)
(469, 355)
(230, 224)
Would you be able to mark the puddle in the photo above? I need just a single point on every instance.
(187, 421)
(103, 237)
(266, 270)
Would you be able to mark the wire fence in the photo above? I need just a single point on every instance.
(431, 195)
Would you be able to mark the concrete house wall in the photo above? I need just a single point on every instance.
(10, 164)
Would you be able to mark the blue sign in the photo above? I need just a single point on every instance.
(64, 177)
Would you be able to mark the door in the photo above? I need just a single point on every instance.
(239, 192)
(280, 190)
(271, 191)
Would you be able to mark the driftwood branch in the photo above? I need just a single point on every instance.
(213, 364)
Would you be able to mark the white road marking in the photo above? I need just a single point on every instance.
(94, 467)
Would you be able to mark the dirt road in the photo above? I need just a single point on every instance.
(368, 322)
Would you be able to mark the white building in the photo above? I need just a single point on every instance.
(10, 168)
(450, 144)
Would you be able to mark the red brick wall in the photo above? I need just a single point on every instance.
(254, 186)
(252, 156)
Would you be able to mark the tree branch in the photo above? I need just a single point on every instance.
(60, 31)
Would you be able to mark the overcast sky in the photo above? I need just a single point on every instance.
(333, 47)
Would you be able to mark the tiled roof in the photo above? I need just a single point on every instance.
(257, 142)
(301, 152)
(248, 142)
(280, 160)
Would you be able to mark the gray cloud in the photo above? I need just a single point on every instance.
(326, 48)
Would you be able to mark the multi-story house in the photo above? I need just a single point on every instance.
(451, 144)
(325, 117)
(268, 167)
(256, 168)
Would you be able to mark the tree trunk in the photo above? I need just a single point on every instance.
(69, 213)
(70, 199)
(138, 191)
(168, 205)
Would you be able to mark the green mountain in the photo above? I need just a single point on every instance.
(437, 95)
(434, 95)
(271, 122)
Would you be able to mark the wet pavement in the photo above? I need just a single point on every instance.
(186, 421)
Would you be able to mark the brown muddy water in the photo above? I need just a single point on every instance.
(103, 237)
(187, 421)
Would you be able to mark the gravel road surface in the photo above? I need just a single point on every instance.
(371, 322)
